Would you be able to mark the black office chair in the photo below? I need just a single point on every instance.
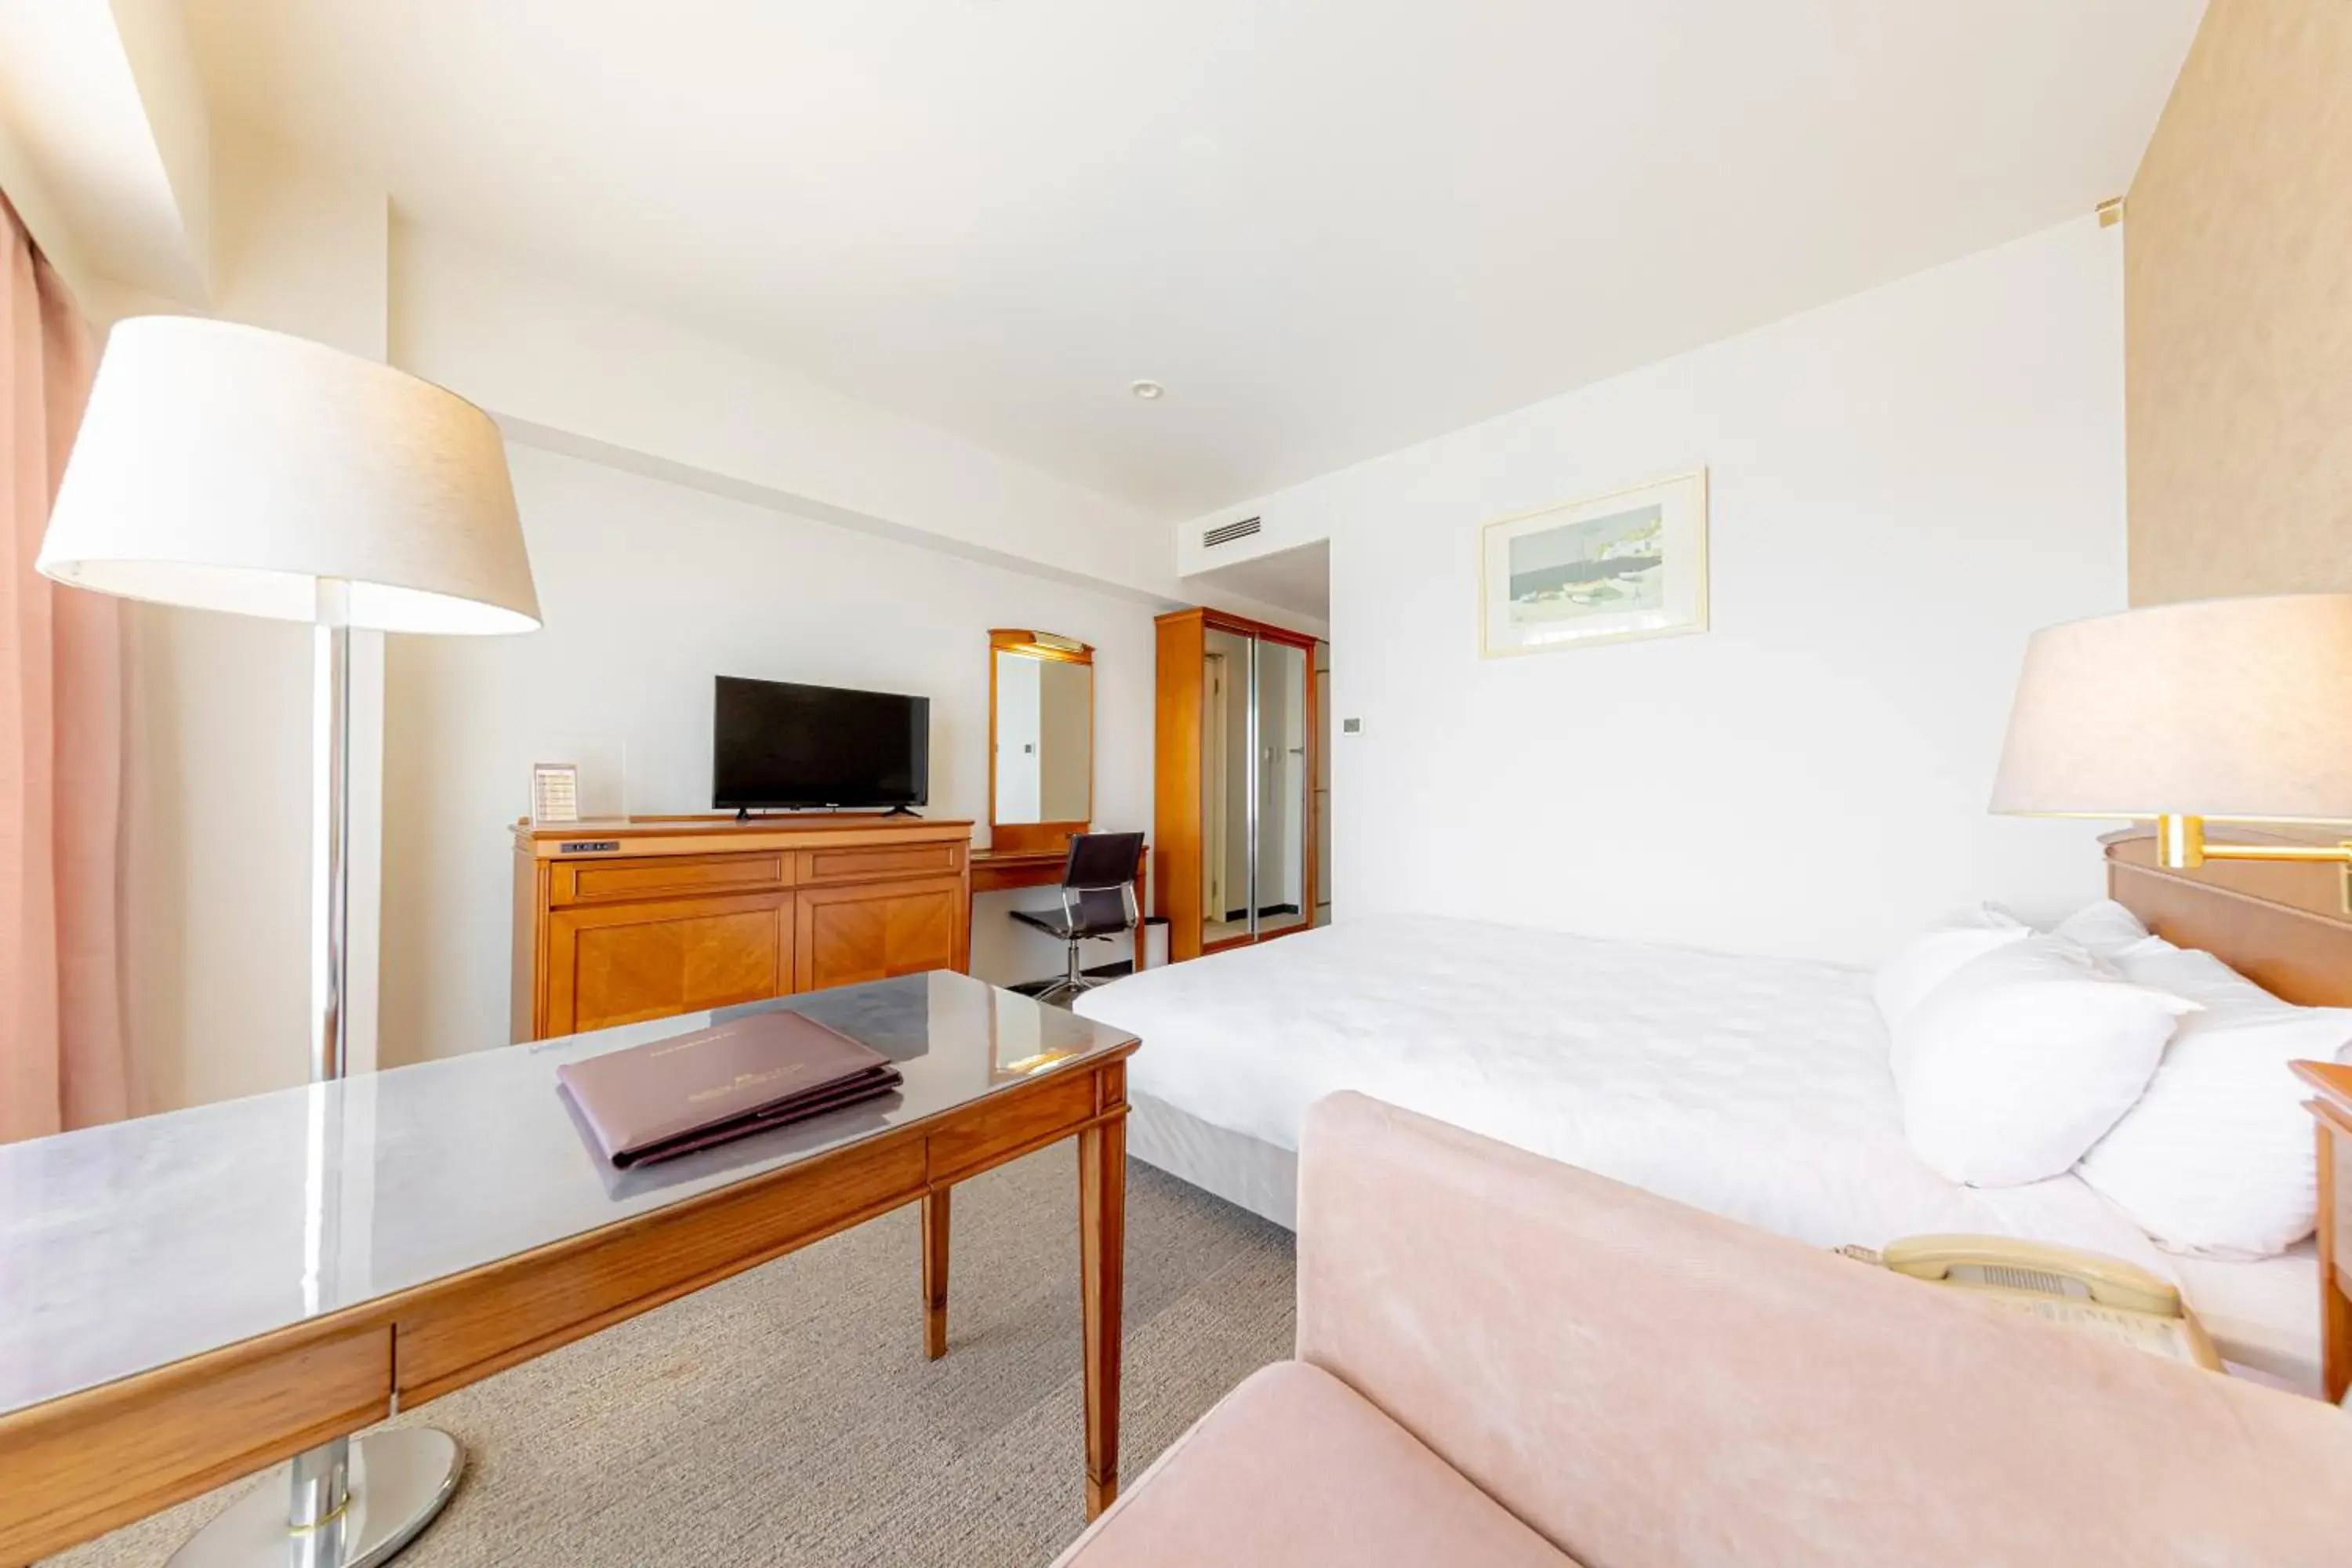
(1099, 903)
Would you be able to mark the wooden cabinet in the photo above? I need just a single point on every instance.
(1236, 818)
(617, 922)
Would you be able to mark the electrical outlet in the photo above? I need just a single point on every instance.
(1351, 726)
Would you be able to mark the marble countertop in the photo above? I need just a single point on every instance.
(133, 1245)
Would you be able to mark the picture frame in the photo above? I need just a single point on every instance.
(555, 792)
(1611, 568)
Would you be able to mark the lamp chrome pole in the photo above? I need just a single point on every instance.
(351, 1502)
(228, 468)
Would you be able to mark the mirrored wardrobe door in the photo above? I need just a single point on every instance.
(1281, 901)
(1225, 786)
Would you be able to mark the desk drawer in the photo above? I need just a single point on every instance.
(874, 863)
(508, 1311)
(667, 876)
(1058, 1106)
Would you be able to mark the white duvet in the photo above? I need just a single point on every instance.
(1755, 1087)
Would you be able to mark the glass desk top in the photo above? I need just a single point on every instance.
(133, 1245)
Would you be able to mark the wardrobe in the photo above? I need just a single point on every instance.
(1235, 828)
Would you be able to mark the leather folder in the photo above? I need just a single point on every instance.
(671, 1097)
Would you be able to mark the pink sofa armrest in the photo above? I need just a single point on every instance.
(1644, 1384)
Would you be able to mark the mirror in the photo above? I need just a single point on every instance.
(1041, 738)
(1280, 704)
(1225, 772)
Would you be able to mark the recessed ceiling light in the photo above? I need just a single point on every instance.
(1147, 390)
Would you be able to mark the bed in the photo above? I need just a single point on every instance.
(1754, 1088)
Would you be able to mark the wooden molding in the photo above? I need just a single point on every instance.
(2281, 924)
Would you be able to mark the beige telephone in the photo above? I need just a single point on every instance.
(2080, 1290)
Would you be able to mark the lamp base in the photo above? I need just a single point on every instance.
(399, 1480)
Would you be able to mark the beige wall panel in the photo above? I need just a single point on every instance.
(2238, 312)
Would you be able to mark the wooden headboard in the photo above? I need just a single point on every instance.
(2280, 924)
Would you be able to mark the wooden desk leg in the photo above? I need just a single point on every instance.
(935, 1273)
(1102, 1261)
(2334, 1306)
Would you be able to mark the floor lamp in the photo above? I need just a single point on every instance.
(230, 469)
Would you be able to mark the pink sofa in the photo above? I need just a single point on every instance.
(1501, 1359)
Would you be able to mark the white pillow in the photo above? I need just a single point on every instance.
(2106, 928)
(2017, 1063)
(1928, 961)
(2217, 1158)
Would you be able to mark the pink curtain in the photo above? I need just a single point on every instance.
(61, 1048)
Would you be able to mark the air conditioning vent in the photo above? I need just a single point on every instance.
(1227, 532)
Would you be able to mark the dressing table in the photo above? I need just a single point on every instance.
(1041, 700)
(997, 871)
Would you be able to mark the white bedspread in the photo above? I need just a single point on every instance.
(1754, 1088)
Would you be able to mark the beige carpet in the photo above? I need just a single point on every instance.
(788, 1416)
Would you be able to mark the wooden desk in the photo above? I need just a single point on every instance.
(997, 871)
(158, 1341)
(2331, 1107)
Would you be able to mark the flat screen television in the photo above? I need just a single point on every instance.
(776, 744)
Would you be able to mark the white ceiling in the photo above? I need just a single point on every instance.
(1330, 227)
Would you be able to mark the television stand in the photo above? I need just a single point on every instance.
(649, 916)
(904, 811)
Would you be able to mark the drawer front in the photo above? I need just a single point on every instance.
(875, 862)
(617, 963)
(873, 931)
(667, 876)
(1012, 1123)
(517, 1309)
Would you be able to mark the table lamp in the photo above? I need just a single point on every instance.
(2217, 710)
(228, 468)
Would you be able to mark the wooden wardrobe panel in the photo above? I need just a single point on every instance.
(1176, 781)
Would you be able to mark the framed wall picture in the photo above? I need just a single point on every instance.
(1617, 567)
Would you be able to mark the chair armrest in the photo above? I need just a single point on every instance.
(1642, 1383)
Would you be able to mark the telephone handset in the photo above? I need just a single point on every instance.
(2082, 1290)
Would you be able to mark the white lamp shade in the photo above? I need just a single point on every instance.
(2223, 708)
(232, 468)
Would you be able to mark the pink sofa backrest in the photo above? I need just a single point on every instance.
(1648, 1386)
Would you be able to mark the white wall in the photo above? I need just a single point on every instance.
(649, 590)
(1903, 486)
